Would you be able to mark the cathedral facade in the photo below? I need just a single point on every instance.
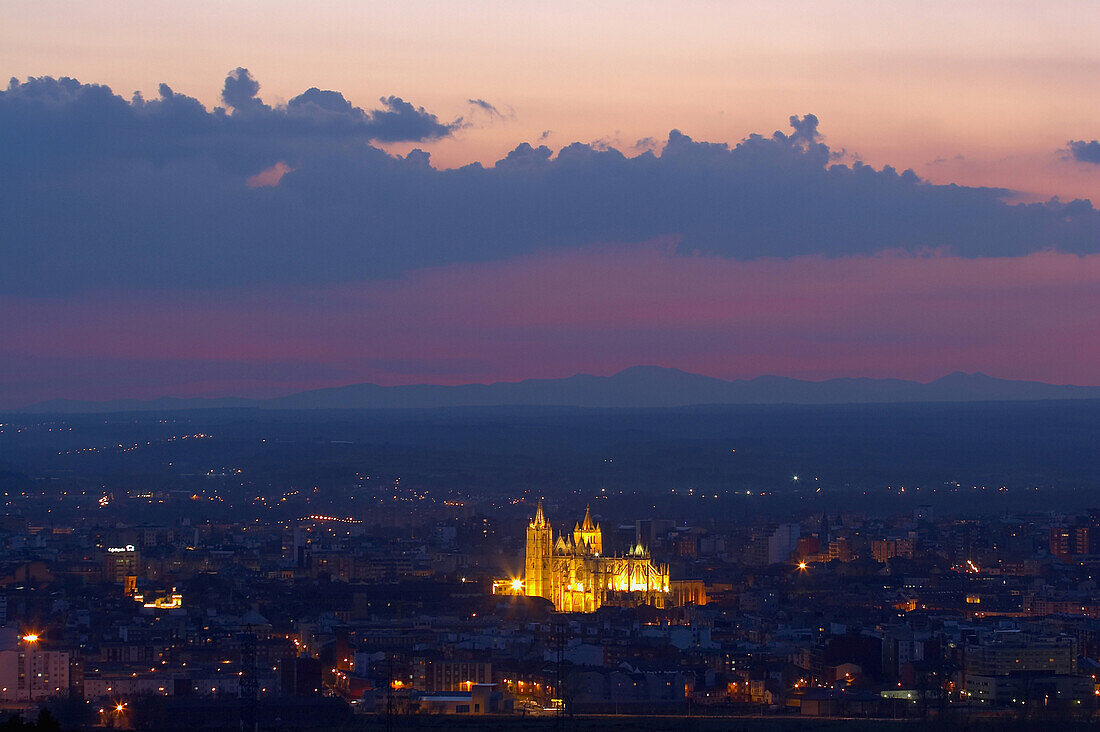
(573, 573)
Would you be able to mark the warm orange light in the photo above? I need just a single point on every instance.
(802, 566)
(31, 637)
(120, 707)
(517, 584)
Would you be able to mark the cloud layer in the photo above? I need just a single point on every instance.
(103, 192)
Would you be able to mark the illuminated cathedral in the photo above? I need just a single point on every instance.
(573, 573)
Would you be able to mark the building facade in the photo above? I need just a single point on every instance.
(30, 673)
(573, 573)
(1017, 652)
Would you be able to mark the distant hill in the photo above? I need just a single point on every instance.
(640, 386)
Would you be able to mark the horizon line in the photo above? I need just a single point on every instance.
(422, 384)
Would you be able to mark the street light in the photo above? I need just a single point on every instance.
(30, 662)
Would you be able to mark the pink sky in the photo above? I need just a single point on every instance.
(918, 317)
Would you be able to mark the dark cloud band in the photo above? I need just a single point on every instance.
(100, 192)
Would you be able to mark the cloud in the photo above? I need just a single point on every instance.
(398, 121)
(314, 100)
(608, 142)
(1085, 152)
(491, 110)
(100, 192)
(70, 124)
(525, 157)
(240, 91)
(805, 129)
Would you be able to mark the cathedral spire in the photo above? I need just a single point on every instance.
(540, 518)
(586, 525)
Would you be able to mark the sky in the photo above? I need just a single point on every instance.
(254, 198)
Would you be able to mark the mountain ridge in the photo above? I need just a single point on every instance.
(637, 386)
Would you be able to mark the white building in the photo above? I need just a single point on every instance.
(782, 542)
(29, 673)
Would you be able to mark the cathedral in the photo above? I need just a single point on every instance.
(573, 573)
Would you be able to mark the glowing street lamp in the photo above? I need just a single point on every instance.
(31, 639)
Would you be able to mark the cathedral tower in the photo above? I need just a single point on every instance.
(539, 549)
(585, 534)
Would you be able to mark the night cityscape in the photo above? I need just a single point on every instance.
(355, 570)
(697, 366)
